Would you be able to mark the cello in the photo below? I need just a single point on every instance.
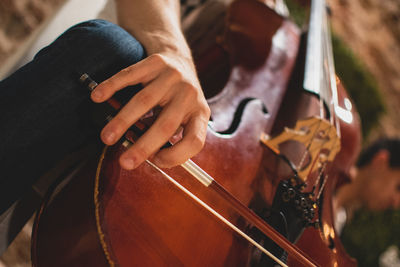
(114, 217)
(322, 242)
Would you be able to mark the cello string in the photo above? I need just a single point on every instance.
(216, 214)
(322, 115)
(322, 169)
(320, 174)
(329, 71)
(326, 175)
(303, 158)
(316, 159)
(319, 84)
(322, 186)
(331, 68)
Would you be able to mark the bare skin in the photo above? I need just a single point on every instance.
(376, 186)
(170, 81)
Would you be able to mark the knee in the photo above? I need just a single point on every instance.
(105, 36)
(100, 39)
(96, 32)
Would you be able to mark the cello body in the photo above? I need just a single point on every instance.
(106, 216)
(139, 217)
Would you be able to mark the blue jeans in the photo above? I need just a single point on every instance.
(46, 113)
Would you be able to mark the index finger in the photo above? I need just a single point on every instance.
(140, 72)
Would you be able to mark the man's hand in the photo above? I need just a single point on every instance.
(170, 82)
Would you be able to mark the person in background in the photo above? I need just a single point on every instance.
(375, 183)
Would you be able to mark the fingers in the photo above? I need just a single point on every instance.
(156, 136)
(141, 72)
(140, 104)
(192, 142)
(171, 84)
(178, 110)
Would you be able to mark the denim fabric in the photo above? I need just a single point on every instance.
(46, 113)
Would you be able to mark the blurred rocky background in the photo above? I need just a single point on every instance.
(371, 29)
(19, 20)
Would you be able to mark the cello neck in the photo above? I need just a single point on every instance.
(319, 75)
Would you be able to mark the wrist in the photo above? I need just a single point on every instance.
(162, 43)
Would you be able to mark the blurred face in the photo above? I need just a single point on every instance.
(381, 186)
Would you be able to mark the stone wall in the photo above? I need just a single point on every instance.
(19, 19)
(371, 28)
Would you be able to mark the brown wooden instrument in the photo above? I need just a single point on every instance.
(106, 216)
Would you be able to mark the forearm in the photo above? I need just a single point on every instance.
(155, 23)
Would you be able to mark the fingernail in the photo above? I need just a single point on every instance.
(109, 136)
(127, 164)
(97, 95)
